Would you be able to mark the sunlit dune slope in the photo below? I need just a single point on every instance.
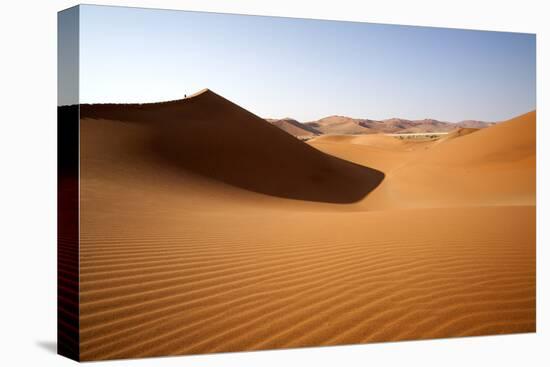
(509, 142)
(457, 133)
(491, 166)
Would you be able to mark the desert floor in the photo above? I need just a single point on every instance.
(219, 232)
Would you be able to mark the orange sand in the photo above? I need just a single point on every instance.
(206, 229)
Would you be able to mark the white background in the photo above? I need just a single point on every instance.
(28, 183)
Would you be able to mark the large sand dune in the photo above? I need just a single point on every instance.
(208, 135)
(206, 229)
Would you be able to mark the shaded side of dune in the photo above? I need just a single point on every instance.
(211, 136)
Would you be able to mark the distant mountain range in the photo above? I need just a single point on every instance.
(347, 125)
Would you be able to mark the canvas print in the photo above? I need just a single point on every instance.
(240, 183)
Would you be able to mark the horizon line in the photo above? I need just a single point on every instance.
(204, 90)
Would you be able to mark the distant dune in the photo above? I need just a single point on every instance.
(474, 124)
(457, 133)
(295, 128)
(342, 125)
(339, 125)
(205, 229)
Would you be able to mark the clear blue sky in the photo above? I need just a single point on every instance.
(306, 69)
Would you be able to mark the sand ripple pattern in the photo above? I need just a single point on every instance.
(226, 288)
